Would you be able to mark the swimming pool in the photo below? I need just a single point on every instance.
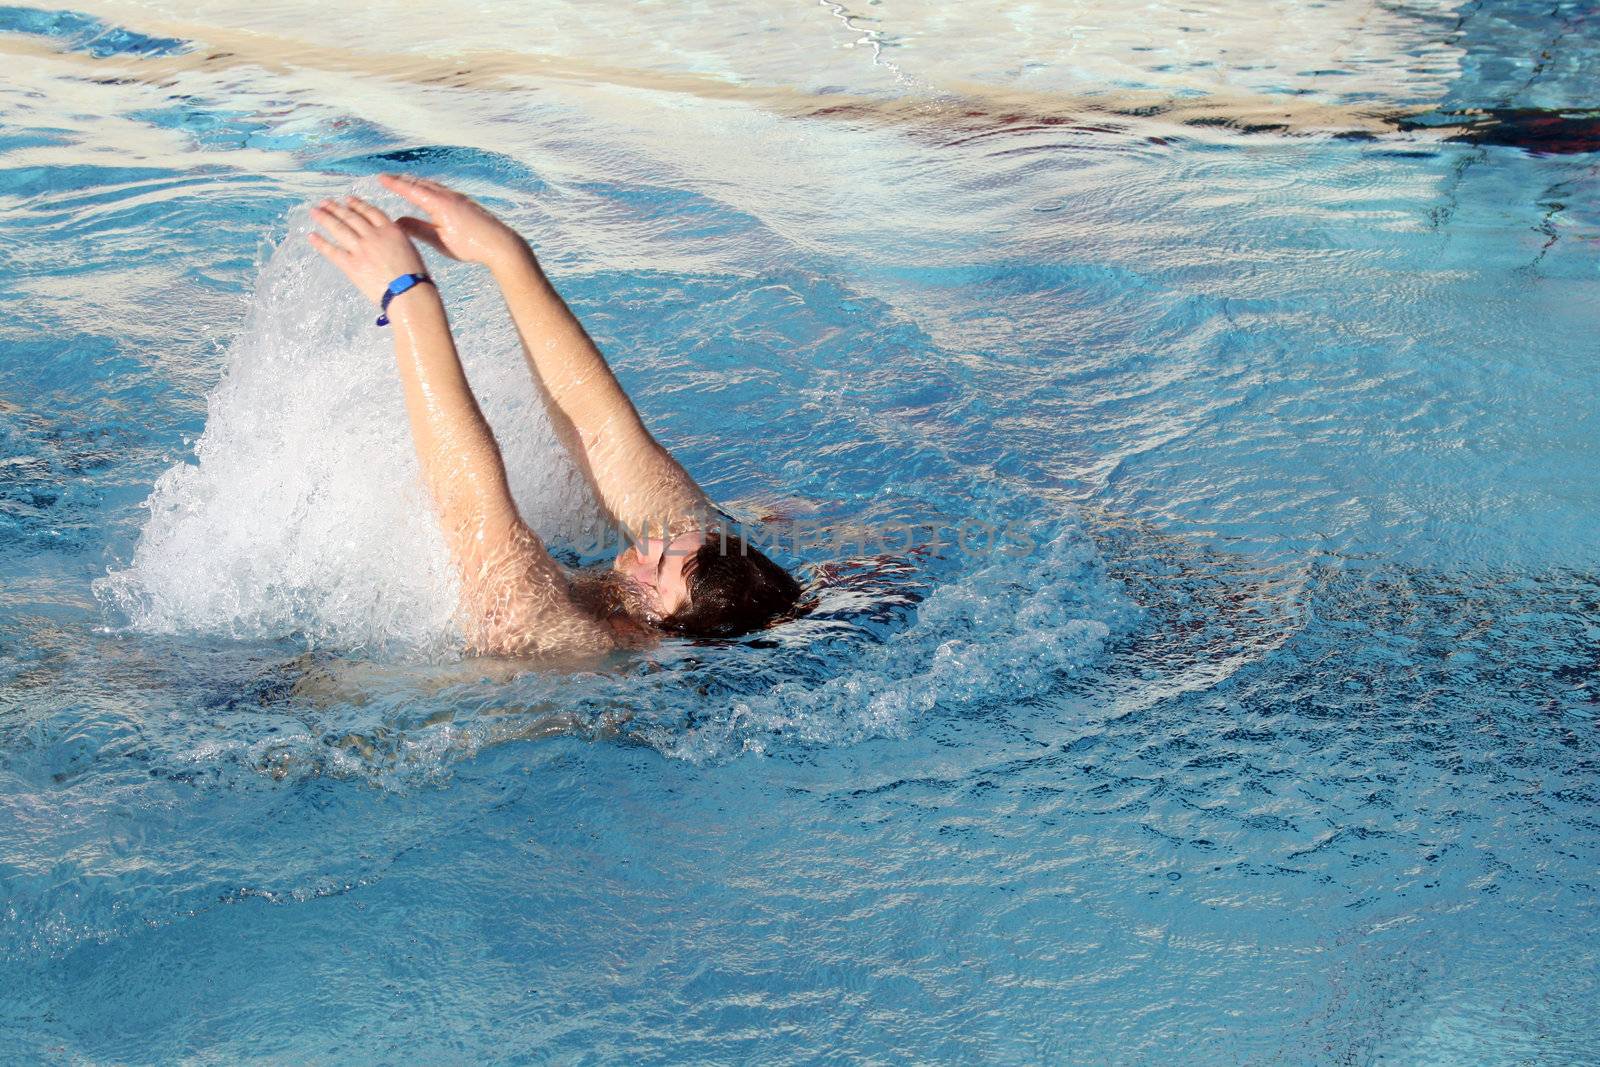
(1273, 327)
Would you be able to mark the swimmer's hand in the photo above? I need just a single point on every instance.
(365, 244)
(461, 227)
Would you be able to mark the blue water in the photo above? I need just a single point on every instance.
(1279, 745)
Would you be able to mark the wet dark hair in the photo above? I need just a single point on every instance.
(733, 589)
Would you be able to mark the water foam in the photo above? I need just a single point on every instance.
(1006, 631)
(879, 655)
(302, 510)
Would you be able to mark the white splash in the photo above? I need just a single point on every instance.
(302, 510)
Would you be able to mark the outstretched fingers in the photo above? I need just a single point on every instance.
(371, 215)
(330, 251)
(364, 244)
(420, 230)
(418, 192)
(345, 213)
(338, 221)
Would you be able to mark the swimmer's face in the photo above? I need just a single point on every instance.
(660, 570)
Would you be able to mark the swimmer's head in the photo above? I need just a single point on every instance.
(659, 571)
(705, 585)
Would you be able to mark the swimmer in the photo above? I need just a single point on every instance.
(683, 572)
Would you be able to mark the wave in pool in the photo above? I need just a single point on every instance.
(302, 511)
(301, 515)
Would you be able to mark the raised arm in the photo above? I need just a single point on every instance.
(516, 599)
(636, 480)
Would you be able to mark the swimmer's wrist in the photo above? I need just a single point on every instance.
(516, 259)
(417, 299)
(398, 288)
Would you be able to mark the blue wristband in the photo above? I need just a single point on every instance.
(396, 287)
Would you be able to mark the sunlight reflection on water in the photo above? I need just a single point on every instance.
(1274, 325)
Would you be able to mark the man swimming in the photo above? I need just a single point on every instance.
(683, 573)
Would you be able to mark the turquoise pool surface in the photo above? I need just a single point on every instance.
(1268, 332)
